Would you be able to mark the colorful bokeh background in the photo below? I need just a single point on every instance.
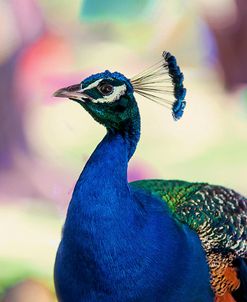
(45, 142)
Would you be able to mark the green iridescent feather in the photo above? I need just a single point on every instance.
(173, 192)
(217, 214)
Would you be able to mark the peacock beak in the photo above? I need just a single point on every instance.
(72, 92)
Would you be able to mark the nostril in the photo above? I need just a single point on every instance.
(70, 88)
(73, 87)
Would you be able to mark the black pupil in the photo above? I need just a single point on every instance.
(106, 89)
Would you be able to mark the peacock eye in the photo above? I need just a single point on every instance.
(105, 88)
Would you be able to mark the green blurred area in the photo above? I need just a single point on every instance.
(108, 10)
(29, 235)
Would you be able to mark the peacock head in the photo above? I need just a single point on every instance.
(109, 96)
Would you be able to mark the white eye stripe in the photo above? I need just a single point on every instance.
(92, 85)
(117, 93)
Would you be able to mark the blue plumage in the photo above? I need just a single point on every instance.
(120, 244)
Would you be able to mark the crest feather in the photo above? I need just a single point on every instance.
(162, 83)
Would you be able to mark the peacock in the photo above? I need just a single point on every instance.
(148, 240)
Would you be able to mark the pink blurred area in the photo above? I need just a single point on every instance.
(29, 74)
(39, 67)
(29, 291)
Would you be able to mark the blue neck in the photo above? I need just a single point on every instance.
(109, 158)
(129, 131)
(109, 162)
(105, 174)
(129, 139)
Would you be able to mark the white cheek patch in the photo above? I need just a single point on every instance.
(114, 96)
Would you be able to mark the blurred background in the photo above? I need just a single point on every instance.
(45, 142)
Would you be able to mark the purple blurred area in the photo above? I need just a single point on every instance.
(230, 35)
(45, 142)
(23, 73)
